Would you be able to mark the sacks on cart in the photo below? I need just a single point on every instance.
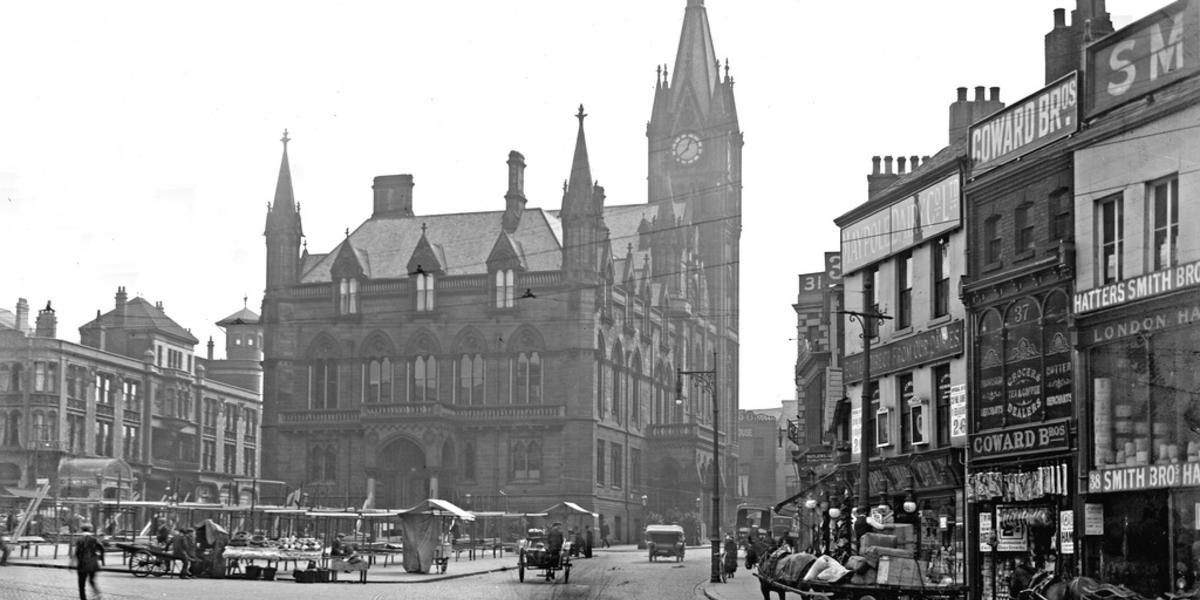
(827, 570)
(792, 568)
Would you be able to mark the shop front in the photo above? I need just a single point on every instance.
(1141, 526)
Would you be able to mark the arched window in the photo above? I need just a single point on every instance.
(635, 396)
(323, 384)
(504, 288)
(348, 296)
(469, 462)
(39, 426)
(618, 360)
(527, 378)
(378, 377)
(600, 377)
(424, 379)
(425, 292)
(52, 426)
(471, 379)
(535, 378)
(533, 460)
(13, 437)
(517, 460)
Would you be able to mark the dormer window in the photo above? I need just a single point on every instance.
(425, 292)
(504, 288)
(348, 296)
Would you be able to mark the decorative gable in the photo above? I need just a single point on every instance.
(350, 262)
(426, 257)
(506, 254)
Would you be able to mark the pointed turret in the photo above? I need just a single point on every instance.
(696, 61)
(579, 186)
(582, 207)
(283, 231)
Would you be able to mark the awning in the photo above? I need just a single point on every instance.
(569, 508)
(17, 492)
(86, 472)
(779, 506)
(438, 507)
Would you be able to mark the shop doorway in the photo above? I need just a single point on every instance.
(1135, 543)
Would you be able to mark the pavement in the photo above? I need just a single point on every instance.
(463, 566)
(743, 586)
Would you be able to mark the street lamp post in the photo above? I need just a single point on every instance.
(708, 379)
(866, 320)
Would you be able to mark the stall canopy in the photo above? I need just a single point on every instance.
(426, 525)
(569, 509)
(89, 473)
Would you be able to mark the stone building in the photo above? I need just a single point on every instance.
(131, 394)
(515, 358)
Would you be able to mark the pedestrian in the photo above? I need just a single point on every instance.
(5, 540)
(604, 534)
(88, 557)
(589, 539)
(163, 535)
(554, 540)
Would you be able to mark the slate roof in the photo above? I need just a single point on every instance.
(141, 314)
(241, 317)
(8, 318)
(464, 239)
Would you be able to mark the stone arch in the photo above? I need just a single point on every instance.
(323, 345)
(403, 472)
(423, 341)
(525, 337)
(469, 339)
(377, 344)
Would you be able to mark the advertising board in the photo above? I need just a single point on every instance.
(1152, 52)
(1050, 114)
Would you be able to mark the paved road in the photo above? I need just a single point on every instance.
(609, 576)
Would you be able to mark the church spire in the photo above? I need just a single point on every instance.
(580, 184)
(696, 60)
(284, 197)
(283, 229)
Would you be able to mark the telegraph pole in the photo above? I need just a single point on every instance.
(867, 321)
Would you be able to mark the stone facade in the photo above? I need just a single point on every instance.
(513, 359)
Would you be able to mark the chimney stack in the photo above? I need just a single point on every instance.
(912, 163)
(47, 323)
(393, 196)
(963, 112)
(900, 163)
(210, 348)
(876, 180)
(514, 199)
(1064, 43)
(22, 316)
(121, 299)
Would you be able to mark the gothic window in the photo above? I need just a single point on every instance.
(348, 296)
(504, 288)
(425, 292)
(378, 376)
(469, 462)
(618, 359)
(635, 397)
(471, 379)
(526, 460)
(600, 377)
(323, 384)
(527, 378)
(424, 379)
(322, 463)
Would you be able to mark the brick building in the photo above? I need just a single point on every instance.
(132, 394)
(515, 358)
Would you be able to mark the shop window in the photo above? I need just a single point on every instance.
(941, 383)
(1164, 223)
(1110, 243)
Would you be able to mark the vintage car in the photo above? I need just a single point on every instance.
(664, 540)
(534, 553)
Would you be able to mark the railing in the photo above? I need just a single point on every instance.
(511, 411)
(425, 409)
(105, 410)
(673, 431)
(318, 417)
(77, 404)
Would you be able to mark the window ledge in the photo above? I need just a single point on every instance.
(992, 266)
(939, 320)
(1024, 255)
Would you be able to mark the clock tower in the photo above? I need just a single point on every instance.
(695, 157)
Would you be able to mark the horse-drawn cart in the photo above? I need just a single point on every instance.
(536, 554)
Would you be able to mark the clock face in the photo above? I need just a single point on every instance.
(687, 148)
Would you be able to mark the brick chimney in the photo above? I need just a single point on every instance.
(1064, 43)
(393, 196)
(514, 199)
(121, 299)
(877, 181)
(963, 112)
(22, 316)
(47, 323)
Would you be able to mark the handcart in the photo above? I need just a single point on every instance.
(535, 554)
(814, 590)
(145, 561)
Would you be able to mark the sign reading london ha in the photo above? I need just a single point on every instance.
(1048, 115)
(1154, 51)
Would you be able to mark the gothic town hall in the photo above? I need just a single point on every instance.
(516, 358)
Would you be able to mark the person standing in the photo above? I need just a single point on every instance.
(183, 552)
(89, 555)
(604, 534)
(589, 539)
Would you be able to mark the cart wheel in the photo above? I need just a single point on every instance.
(567, 573)
(142, 565)
(160, 567)
(866, 597)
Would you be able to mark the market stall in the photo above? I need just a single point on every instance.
(427, 534)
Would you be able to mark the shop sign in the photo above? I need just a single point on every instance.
(812, 288)
(934, 472)
(985, 531)
(1026, 439)
(927, 346)
(856, 431)
(1145, 477)
(1048, 115)
(1137, 288)
(1093, 519)
(905, 223)
(833, 267)
(1012, 533)
(1155, 51)
(958, 412)
(1141, 324)
(1066, 531)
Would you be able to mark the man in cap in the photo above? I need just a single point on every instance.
(554, 541)
(88, 555)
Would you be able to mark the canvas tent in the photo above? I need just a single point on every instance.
(426, 527)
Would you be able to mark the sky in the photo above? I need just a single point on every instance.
(139, 141)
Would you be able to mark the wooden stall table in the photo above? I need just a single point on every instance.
(339, 564)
